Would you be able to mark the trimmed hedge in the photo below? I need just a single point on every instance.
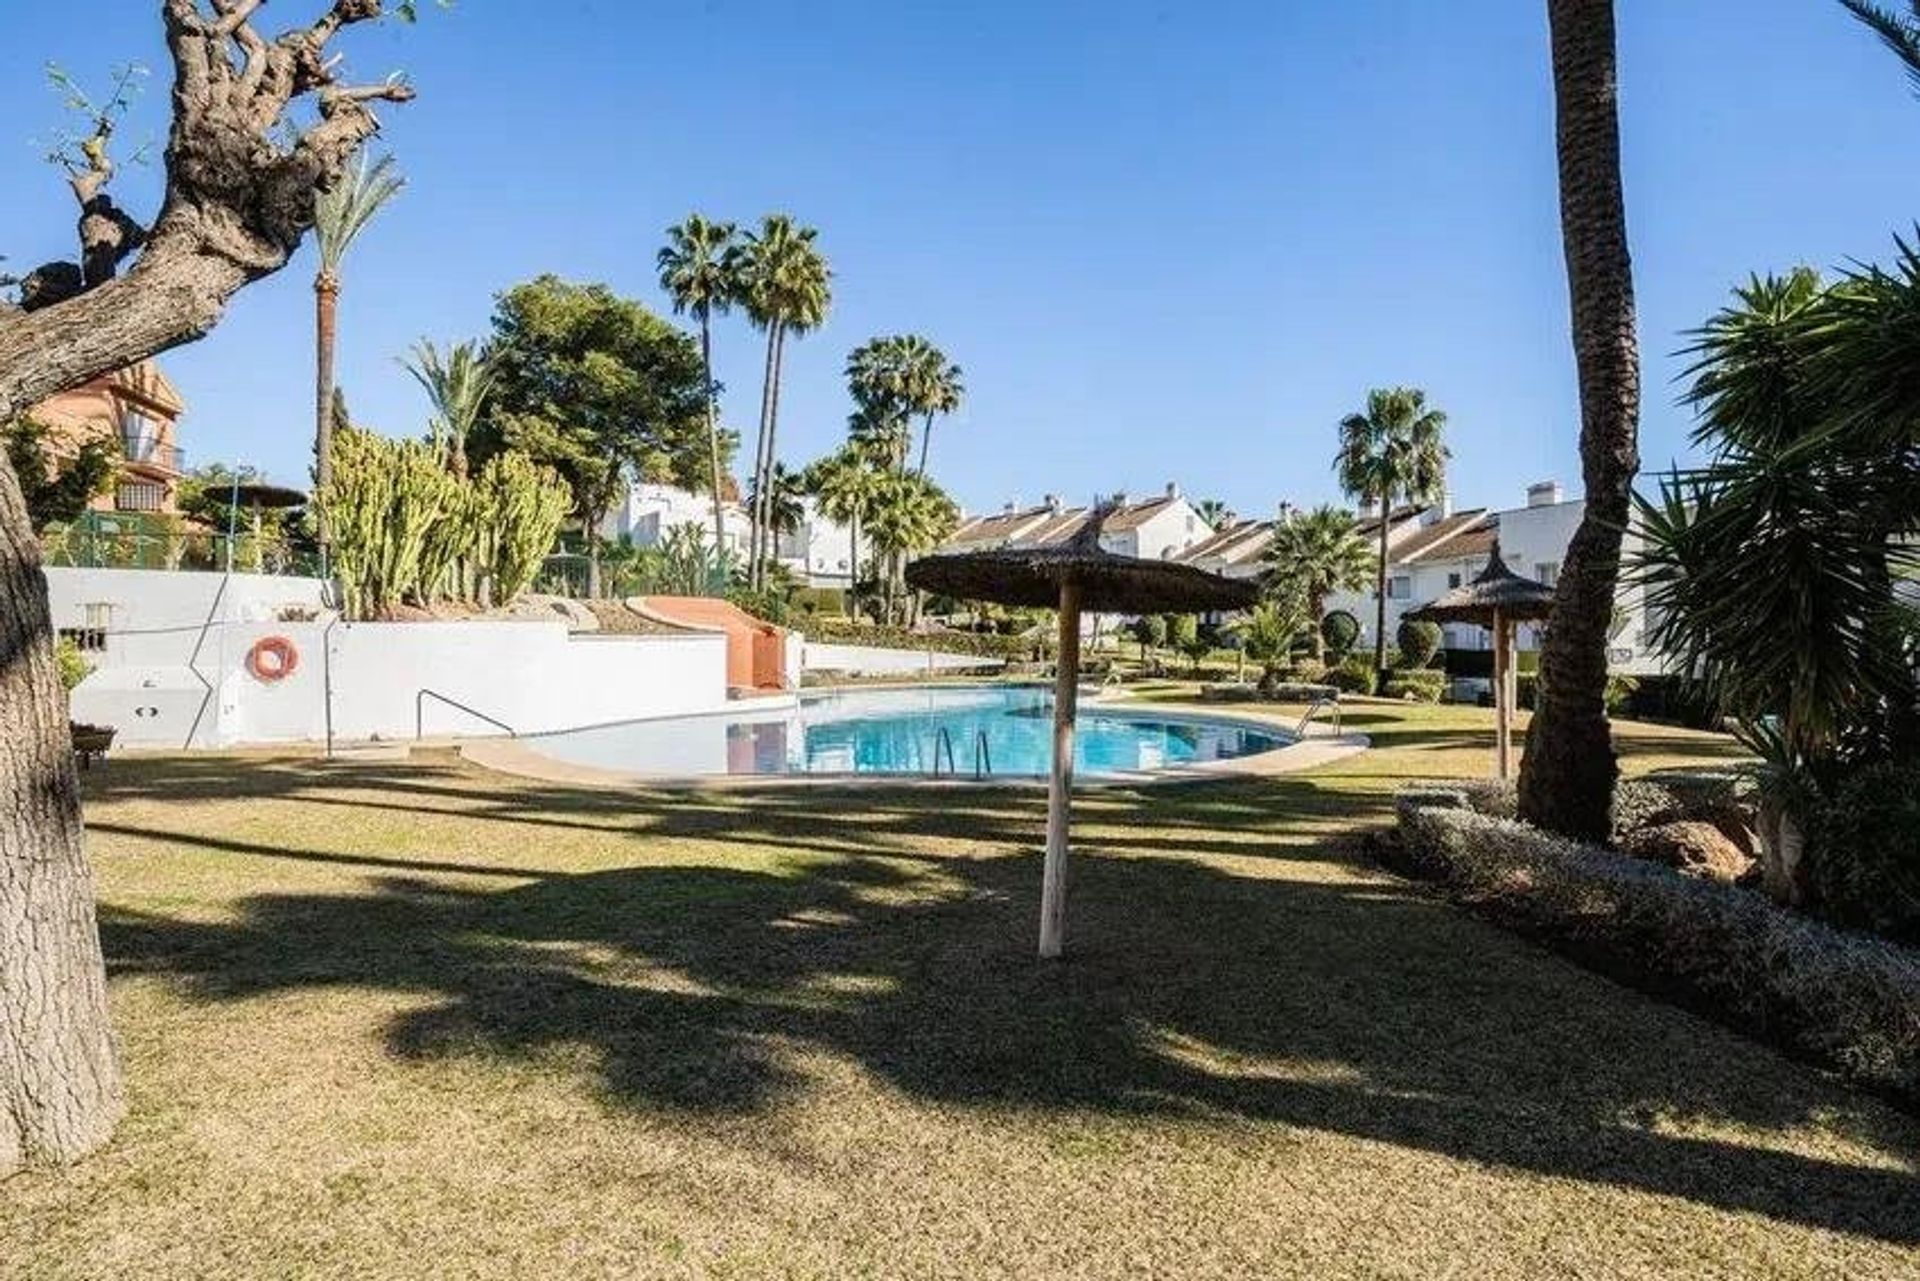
(1419, 686)
(1478, 663)
(1847, 1000)
(980, 644)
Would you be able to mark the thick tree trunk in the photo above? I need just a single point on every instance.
(713, 435)
(1567, 774)
(1380, 594)
(59, 1075)
(326, 310)
(1316, 606)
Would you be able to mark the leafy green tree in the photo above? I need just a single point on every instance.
(340, 214)
(1268, 631)
(896, 379)
(1568, 771)
(785, 285)
(1151, 631)
(58, 490)
(598, 388)
(1392, 451)
(846, 485)
(1317, 554)
(457, 385)
(698, 274)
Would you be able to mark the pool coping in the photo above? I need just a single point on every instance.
(513, 756)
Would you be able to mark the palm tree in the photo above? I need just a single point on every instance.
(785, 285)
(1391, 451)
(696, 273)
(785, 512)
(1215, 512)
(844, 484)
(909, 514)
(1315, 555)
(340, 214)
(457, 386)
(1899, 33)
(897, 378)
(1568, 771)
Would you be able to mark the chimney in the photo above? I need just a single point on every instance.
(1053, 502)
(1119, 498)
(1173, 489)
(1439, 509)
(1544, 494)
(1013, 505)
(1286, 512)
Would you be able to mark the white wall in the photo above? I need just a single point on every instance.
(174, 671)
(863, 660)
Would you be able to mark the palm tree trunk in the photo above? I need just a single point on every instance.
(713, 433)
(770, 551)
(1380, 595)
(1567, 774)
(60, 1093)
(759, 459)
(326, 308)
(853, 565)
(926, 439)
(1317, 603)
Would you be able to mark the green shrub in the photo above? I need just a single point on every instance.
(769, 604)
(74, 666)
(1849, 1000)
(1478, 663)
(983, 644)
(1863, 843)
(1341, 631)
(1418, 686)
(1419, 642)
(1307, 672)
(809, 601)
(1353, 675)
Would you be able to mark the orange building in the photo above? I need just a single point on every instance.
(139, 409)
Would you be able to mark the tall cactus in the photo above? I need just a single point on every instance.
(383, 501)
(522, 505)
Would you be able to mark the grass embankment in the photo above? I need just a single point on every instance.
(418, 1020)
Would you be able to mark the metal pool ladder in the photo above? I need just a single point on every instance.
(982, 756)
(1316, 707)
(943, 739)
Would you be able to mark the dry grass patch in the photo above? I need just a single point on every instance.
(423, 1021)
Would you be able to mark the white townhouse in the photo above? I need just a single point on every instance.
(819, 553)
(1440, 549)
(1158, 528)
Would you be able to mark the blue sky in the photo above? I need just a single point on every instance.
(1166, 241)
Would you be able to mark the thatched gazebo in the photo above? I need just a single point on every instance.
(1497, 599)
(1073, 576)
(257, 496)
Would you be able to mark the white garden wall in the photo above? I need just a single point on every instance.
(174, 669)
(865, 660)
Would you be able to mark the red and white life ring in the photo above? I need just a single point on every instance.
(272, 658)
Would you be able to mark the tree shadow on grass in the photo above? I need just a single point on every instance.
(1361, 1008)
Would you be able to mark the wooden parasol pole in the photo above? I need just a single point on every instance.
(1066, 697)
(1503, 695)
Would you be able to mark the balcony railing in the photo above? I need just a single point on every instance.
(155, 454)
(100, 540)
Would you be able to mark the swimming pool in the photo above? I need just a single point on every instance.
(999, 729)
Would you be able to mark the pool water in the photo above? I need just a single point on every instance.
(1001, 729)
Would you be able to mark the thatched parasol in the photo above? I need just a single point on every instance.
(1497, 599)
(1071, 576)
(257, 496)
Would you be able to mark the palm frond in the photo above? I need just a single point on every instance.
(343, 210)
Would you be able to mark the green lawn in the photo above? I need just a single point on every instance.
(423, 1021)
